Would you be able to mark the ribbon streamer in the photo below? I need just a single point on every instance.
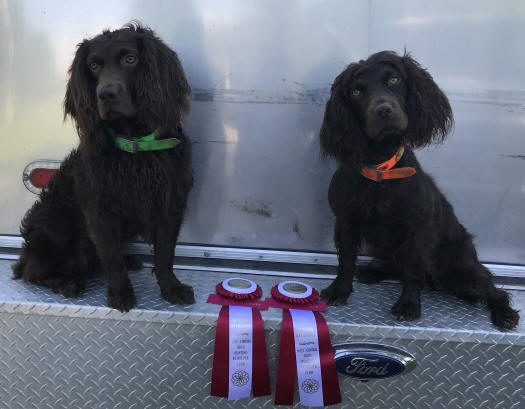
(305, 352)
(240, 362)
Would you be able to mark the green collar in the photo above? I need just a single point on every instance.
(143, 143)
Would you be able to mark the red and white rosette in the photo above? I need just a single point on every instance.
(306, 350)
(240, 362)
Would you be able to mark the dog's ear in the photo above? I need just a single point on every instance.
(80, 101)
(430, 117)
(341, 134)
(161, 89)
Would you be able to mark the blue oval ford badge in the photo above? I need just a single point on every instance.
(371, 360)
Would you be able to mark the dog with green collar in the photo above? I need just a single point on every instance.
(116, 186)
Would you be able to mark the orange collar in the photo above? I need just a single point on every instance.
(384, 170)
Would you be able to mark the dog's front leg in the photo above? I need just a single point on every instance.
(347, 238)
(413, 266)
(105, 234)
(165, 238)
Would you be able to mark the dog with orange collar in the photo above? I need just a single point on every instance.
(379, 110)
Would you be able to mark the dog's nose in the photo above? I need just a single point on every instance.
(383, 110)
(108, 93)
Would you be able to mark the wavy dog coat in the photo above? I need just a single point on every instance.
(377, 106)
(125, 82)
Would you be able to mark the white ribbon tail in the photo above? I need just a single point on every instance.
(240, 352)
(309, 377)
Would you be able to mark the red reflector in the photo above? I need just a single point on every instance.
(40, 177)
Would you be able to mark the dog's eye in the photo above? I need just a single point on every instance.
(393, 81)
(130, 59)
(356, 92)
(93, 66)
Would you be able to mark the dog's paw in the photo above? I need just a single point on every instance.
(178, 294)
(122, 299)
(132, 263)
(366, 277)
(505, 317)
(336, 294)
(69, 287)
(18, 269)
(406, 310)
(371, 274)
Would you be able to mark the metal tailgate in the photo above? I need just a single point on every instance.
(63, 353)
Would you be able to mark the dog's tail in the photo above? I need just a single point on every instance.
(501, 313)
(474, 284)
(463, 276)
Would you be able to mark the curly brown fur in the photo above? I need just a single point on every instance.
(102, 198)
(375, 107)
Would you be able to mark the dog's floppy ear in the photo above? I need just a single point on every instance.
(80, 101)
(161, 88)
(341, 134)
(430, 117)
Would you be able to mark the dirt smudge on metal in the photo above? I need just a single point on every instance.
(297, 230)
(255, 207)
(522, 157)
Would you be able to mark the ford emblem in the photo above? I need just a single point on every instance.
(370, 360)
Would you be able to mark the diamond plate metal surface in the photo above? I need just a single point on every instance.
(60, 353)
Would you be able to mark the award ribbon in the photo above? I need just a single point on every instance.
(240, 362)
(306, 350)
